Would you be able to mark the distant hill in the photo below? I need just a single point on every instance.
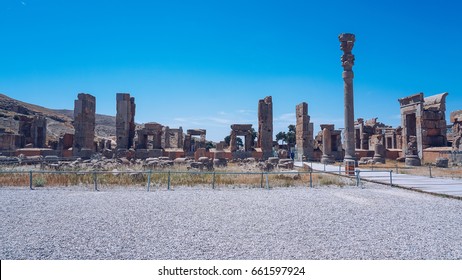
(105, 125)
(58, 121)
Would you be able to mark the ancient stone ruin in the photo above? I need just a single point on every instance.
(28, 132)
(329, 141)
(265, 126)
(424, 123)
(347, 41)
(190, 144)
(241, 130)
(84, 124)
(125, 121)
(303, 133)
(456, 119)
(172, 138)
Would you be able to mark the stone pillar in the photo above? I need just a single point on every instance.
(265, 126)
(248, 141)
(303, 132)
(39, 131)
(125, 121)
(233, 141)
(379, 153)
(180, 137)
(347, 41)
(326, 147)
(187, 143)
(84, 124)
(166, 137)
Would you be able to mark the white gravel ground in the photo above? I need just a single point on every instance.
(376, 222)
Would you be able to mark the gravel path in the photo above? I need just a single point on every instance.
(376, 222)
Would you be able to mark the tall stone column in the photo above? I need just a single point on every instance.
(347, 41)
(265, 126)
(84, 124)
(125, 120)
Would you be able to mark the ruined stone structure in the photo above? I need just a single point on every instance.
(190, 145)
(393, 138)
(172, 138)
(8, 140)
(84, 124)
(303, 133)
(241, 130)
(366, 133)
(424, 119)
(327, 157)
(33, 130)
(379, 149)
(347, 41)
(125, 121)
(265, 126)
(456, 120)
(329, 141)
(150, 136)
(23, 131)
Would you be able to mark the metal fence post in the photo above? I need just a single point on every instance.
(149, 179)
(324, 167)
(339, 169)
(267, 184)
(430, 170)
(213, 181)
(261, 181)
(311, 178)
(95, 181)
(30, 180)
(357, 177)
(391, 178)
(168, 181)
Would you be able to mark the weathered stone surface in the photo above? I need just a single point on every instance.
(220, 162)
(424, 119)
(379, 153)
(347, 41)
(241, 130)
(303, 133)
(180, 161)
(125, 121)
(412, 160)
(149, 136)
(84, 124)
(327, 157)
(442, 162)
(265, 126)
(190, 145)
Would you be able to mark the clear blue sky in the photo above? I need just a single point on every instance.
(205, 64)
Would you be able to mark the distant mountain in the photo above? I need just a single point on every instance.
(58, 121)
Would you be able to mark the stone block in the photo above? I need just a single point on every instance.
(141, 154)
(442, 162)
(412, 160)
(155, 153)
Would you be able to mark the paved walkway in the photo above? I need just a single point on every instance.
(440, 186)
